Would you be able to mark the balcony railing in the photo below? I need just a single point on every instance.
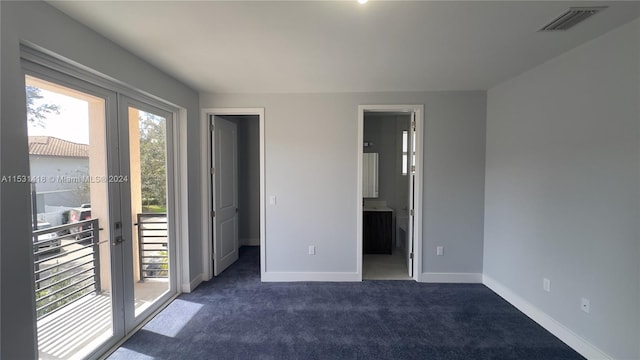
(152, 245)
(66, 264)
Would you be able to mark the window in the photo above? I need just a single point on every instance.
(99, 289)
(405, 151)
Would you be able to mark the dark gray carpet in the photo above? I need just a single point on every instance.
(235, 316)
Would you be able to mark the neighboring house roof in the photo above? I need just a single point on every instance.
(52, 146)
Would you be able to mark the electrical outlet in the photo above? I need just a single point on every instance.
(439, 250)
(546, 285)
(585, 305)
(312, 250)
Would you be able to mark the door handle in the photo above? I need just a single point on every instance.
(117, 240)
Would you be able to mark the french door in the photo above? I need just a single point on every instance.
(101, 193)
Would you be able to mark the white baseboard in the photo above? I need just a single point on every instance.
(573, 340)
(250, 242)
(459, 278)
(274, 276)
(187, 288)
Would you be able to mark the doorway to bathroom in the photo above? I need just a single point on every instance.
(389, 149)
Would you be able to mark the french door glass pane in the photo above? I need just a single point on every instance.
(70, 217)
(148, 175)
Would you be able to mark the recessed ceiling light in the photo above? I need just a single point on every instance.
(363, 1)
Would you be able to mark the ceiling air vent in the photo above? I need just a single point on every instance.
(572, 17)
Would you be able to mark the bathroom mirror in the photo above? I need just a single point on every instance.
(370, 175)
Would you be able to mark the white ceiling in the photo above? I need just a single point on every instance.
(341, 46)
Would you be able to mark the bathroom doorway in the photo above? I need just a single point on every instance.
(389, 170)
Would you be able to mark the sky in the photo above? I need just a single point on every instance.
(72, 124)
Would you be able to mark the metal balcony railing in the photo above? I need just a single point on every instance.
(152, 245)
(66, 264)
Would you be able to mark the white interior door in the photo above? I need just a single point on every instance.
(412, 177)
(225, 200)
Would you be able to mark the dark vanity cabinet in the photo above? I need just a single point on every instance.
(377, 232)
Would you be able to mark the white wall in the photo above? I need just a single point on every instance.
(249, 182)
(39, 24)
(563, 193)
(59, 193)
(311, 166)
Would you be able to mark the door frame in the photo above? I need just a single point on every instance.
(417, 189)
(48, 65)
(208, 232)
(51, 68)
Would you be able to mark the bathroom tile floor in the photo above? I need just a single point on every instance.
(385, 267)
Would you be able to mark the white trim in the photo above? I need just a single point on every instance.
(455, 278)
(44, 57)
(417, 191)
(191, 285)
(573, 340)
(275, 276)
(206, 185)
(250, 242)
(205, 190)
(359, 204)
(182, 200)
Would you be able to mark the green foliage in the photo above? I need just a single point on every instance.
(154, 209)
(83, 188)
(165, 263)
(153, 159)
(57, 301)
(36, 114)
(159, 266)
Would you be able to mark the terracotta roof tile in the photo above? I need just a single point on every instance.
(52, 146)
